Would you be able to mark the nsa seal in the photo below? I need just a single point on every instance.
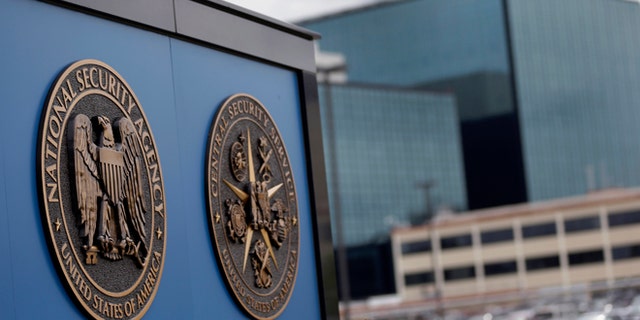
(101, 192)
(253, 208)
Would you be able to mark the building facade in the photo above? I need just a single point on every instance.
(383, 145)
(105, 209)
(543, 89)
(589, 241)
(576, 68)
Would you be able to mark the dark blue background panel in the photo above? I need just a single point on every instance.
(180, 86)
(203, 80)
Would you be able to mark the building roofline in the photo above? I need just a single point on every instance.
(603, 197)
(387, 87)
(262, 19)
(213, 23)
(381, 3)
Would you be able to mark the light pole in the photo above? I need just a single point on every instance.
(426, 186)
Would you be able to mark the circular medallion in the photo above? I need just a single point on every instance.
(253, 208)
(101, 192)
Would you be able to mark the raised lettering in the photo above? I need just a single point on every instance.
(53, 192)
(52, 141)
(159, 209)
(51, 154)
(66, 96)
(63, 249)
(85, 79)
(102, 75)
(155, 177)
(144, 135)
(93, 71)
(218, 139)
(214, 177)
(125, 94)
(54, 127)
(96, 302)
(117, 95)
(132, 104)
(112, 85)
(51, 170)
(73, 93)
(80, 80)
(129, 308)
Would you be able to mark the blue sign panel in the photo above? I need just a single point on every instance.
(180, 83)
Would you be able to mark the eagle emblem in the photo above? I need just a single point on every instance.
(102, 192)
(108, 189)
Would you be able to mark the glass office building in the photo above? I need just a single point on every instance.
(545, 90)
(415, 41)
(577, 66)
(384, 146)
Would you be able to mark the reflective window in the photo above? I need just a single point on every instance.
(542, 263)
(493, 236)
(585, 257)
(582, 224)
(576, 99)
(539, 230)
(455, 241)
(378, 154)
(624, 218)
(417, 246)
(418, 278)
(459, 273)
(462, 105)
(625, 252)
(498, 268)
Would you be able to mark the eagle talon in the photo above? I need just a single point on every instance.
(122, 245)
(106, 243)
(130, 247)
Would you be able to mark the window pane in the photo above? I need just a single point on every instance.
(626, 252)
(459, 273)
(624, 218)
(497, 268)
(414, 247)
(418, 278)
(582, 224)
(496, 236)
(586, 257)
(542, 263)
(539, 230)
(455, 241)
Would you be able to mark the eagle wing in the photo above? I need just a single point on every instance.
(132, 186)
(86, 173)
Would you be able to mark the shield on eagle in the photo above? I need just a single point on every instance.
(108, 189)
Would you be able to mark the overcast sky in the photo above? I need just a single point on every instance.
(295, 10)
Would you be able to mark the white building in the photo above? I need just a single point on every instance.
(591, 241)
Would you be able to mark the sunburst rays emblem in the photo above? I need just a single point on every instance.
(253, 207)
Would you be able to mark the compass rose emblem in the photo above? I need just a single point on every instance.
(252, 206)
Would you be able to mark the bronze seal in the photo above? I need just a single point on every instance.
(101, 192)
(253, 208)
